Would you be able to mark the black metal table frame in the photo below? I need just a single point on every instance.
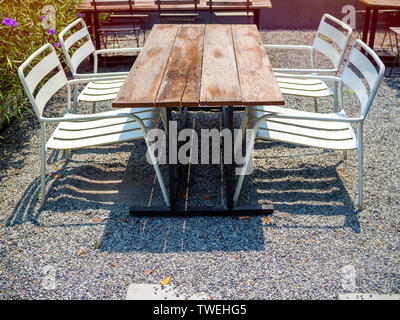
(173, 172)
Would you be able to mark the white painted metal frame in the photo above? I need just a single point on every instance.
(327, 131)
(94, 92)
(108, 87)
(76, 131)
(316, 88)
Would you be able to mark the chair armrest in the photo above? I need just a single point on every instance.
(88, 117)
(100, 75)
(305, 70)
(287, 46)
(92, 79)
(116, 50)
(316, 118)
(308, 76)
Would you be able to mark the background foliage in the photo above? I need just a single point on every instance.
(18, 42)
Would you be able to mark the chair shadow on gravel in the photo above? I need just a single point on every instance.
(114, 186)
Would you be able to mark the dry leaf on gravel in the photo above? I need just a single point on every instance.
(149, 271)
(166, 281)
(268, 221)
(95, 220)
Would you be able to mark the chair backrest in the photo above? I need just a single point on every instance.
(74, 33)
(169, 3)
(243, 4)
(109, 4)
(43, 79)
(327, 34)
(363, 67)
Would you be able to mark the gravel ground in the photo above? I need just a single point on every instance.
(86, 235)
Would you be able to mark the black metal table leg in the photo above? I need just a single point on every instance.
(374, 22)
(171, 148)
(227, 113)
(228, 210)
(366, 24)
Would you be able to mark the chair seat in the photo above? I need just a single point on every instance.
(100, 91)
(179, 14)
(75, 135)
(314, 88)
(127, 27)
(233, 14)
(313, 133)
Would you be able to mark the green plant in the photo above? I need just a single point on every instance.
(25, 27)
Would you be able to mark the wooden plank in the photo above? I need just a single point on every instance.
(219, 83)
(258, 84)
(181, 83)
(394, 4)
(143, 82)
(149, 5)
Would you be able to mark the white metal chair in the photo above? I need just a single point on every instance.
(76, 131)
(76, 37)
(332, 42)
(329, 130)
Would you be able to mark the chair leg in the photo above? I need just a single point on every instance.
(93, 107)
(316, 104)
(243, 126)
(345, 154)
(249, 150)
(67, 156)
(75, 102)
(42, 165)
(397, 55)
(158, 172)
(360, 166)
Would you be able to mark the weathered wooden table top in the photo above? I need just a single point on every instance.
(201, 65)
(150, 5)
(394, 4)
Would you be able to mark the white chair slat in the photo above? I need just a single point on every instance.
(356, 85)
(258, 112)
(75, 37)
(306, 87)
(99, 91)
(54, 84)
(305, 93)
(316, 142)
(102, 130)
(81, 54)
(304, 81)
(364, 65)
(54, 143)
(40, 70)
(143, 113)
(98, 85)
(333, 33)
(328, 50)
(97, 98)
(319, 132)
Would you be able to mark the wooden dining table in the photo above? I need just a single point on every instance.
(375, 6)
(197, 66)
